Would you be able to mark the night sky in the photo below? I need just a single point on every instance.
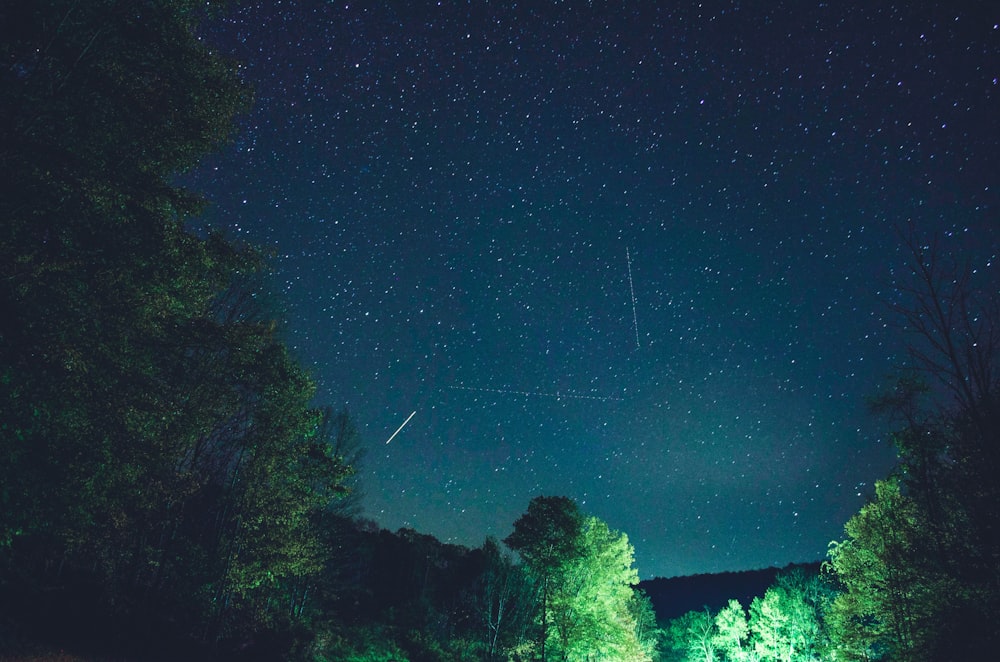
(639, 257)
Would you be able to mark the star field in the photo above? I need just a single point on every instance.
(638, 257)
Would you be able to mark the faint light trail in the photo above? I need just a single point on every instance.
(538, 394)
(631, 289)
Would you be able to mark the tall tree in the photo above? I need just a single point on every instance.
(693, 637)
(158, 438)
(932, 530)
(101, 105)
(888, 603)
(786, 625)
(647, 632)
(547, 537)
(591, 604)
(732, 634)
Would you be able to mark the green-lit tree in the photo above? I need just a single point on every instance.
(732, 634)
(888, 604)
(648, 633)
(547, 537)
(584, 572)
(693, 637)
(921, 563)
(786, 625)
(591, 603)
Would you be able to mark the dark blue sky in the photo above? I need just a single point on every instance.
(456, 192)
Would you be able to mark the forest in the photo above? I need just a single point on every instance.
(169, 489)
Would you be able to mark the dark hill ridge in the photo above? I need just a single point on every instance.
(676, 596)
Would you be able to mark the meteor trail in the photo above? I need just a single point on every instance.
(400, 428)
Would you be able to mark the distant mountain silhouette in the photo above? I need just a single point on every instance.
(676, 596)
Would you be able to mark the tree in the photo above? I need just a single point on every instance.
(771, 628)
(335, 525)
(158, 439)
(888, 604)
(585, 574)
(732, 634)
(96, 270)
(648, 633)
(950, 456)
(591, 603)
(786, 625)
(921, 563)
(547, 536)
(693, 637)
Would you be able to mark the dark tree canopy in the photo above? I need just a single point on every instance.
(158, 438)
(920, 566)
(548, 533)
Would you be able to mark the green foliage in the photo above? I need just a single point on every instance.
(372, 644)
(732, 634)
(548, 533)
(647, 633)
(590, 604)
(692, 637)
(889, 604)
(585, 573)
(786, 625)
(920, 564)
(547, 537)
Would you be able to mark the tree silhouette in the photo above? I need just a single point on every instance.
(159, 455)
(921, 562)
(547, 536)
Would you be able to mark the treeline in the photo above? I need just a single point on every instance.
(675, 596)
(408, 596)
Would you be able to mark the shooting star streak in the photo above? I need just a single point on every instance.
(400, 428)
(631, 289)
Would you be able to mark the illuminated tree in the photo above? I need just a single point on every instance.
(786, 625)
(591, 604)
(887, 606)
(921, 562)
(547, 537)
(693, 637)
(771, 628)
(647, 632)
(732, 634)
(585, 573)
